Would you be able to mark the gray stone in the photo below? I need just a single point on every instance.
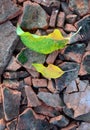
(32, 98)
(68, 112)
(82, 85)
(84, 126)
(79, 7)
(15, 74)
(72, 87)
(65, 8)
(12, 125)
(13, 65)
(85, 65)
(2, 124)
(33, 16)
(59, 121)
(71, 74)
(27, 121)
(8, 41)
(11, 103)
(26, 57)
(85, 30)
(48, 3)
(74, 52)
(8, 10)
(1, 111)
(79, 102)
(84, 117)
(52, 100)
(46, 110)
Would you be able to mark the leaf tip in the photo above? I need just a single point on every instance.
(19, 31)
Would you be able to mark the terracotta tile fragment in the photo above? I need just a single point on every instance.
(46, 110)
(53, 18)
(33, 73)
(13, 65)
(50, 86)
(43, 90)
(61, 19)
(71, 18)
(32, 98)
(39, 82)
(70, 28)
(52, 57)
(28, 80)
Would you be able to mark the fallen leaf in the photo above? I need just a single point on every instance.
(43, 44)
(51, 71)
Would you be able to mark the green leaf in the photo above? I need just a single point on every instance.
(51, 71)
(43, 44)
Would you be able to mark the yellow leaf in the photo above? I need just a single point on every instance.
(56, 35)
(51, 71)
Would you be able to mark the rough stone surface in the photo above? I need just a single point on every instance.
(37, 17)
(8, 41)
(27, 121)
(15, 74)
(47, 3)
(11, 102)
(51, 86)
(52, 100)
(68, 76)
(39, 82)
(1, 111)
(72, 87)
(53, 18)
(70, 28)
(2, 124)
(82, 85)
(84, 126)
(81, 102)
(84, 117)
(85, 30)
(28, 80)
(71, 126)
(8, 10)
(80, 7)
(12, 125)
(74, 52)
(0, 95)
(13, 65)
(26, 57)
(61, 19)
(85, 65)
(46, 110)
(71, 18)
(65, 8)
(52, 57)
(32, 98)
(59, 121)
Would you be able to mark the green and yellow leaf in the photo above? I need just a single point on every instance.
(43, 44)
(51, 71)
